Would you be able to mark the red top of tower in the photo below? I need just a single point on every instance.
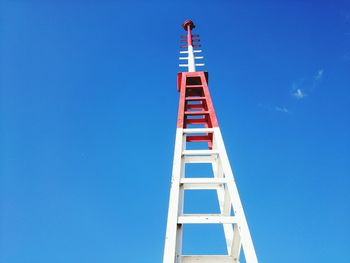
(188, 23)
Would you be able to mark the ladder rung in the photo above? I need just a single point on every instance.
(199, 138)
(202, 180)
(199, 159)
(196, 112)
(202, 183)
(194, 86)
(195, 98)
(199, 152)
(198, 130)
(207, 259)
(206, 219)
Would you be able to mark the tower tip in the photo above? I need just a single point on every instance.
(188, 23)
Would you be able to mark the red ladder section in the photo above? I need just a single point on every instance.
(196, 108)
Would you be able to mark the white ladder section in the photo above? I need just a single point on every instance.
(231, 215)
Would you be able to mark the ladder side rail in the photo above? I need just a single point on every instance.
(170, 246)
(210, 105)
(233, 238)
(247, 243)
(179, 232)
(236, 244)
(223, 204)
(173, 234)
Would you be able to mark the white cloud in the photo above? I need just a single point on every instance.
(282, 109)
(317, 79)
(299, 94)
(319, 75)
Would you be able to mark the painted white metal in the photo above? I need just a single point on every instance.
(191, 60)
(199, 159)
(202, 183)
(247, 243)
(207, 259)
(206, 219)
(194, 51)
(199, 152)
(224, 204)
(198, 130)
(231, 215)
(172, 245)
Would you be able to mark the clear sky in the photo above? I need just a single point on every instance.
(88, 107)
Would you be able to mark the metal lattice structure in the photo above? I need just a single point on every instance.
(197, 123)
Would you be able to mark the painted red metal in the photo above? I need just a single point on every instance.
(189, 35)
(196, 106)
(188, 25)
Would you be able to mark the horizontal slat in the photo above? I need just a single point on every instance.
(196, 112)
(195, 98)
(186, 51)
(200, 64)
(202, 183)
(207, 259)
(199, 152)
(194, 86)
(193, 35)
(199, 159)
(201, 180)
(183, 65)
(206, 219)
(198, 130)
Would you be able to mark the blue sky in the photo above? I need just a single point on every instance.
(88, 106)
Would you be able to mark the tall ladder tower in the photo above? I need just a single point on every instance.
(197, 124)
